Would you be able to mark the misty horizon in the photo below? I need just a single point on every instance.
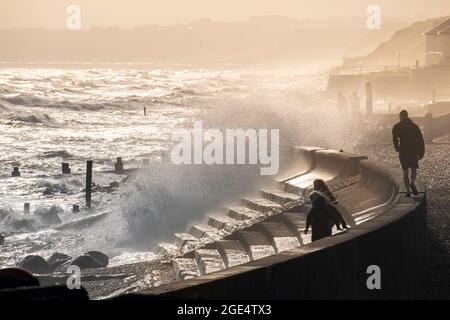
(261, 40)
(348, 21)
(51, 14)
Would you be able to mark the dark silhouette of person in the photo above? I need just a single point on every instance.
(409, 143)
(320, 217)
(320, 186)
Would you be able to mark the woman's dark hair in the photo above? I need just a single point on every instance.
(319, 184)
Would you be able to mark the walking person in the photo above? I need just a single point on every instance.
(409, 143)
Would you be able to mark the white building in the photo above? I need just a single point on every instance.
(437, 44)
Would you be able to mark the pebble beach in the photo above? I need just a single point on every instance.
(435, 173)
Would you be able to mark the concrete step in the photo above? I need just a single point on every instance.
(261, 205)
(232, 252)
(181, 239)
(294, 189)
(256, 244)
(243, 213)
(166, 248)
(209, 260)
(280, 197)
(281, 236)
(185, 268)
(221, 221)
(300, 183)
(296, 222)
(203, 231)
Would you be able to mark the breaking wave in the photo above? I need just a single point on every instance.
(167, 198)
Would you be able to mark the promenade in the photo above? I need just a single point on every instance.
(435, 173)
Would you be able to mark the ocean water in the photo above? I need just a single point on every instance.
(76, 113)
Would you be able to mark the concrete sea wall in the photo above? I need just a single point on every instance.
(391, 236)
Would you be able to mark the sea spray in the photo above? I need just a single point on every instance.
(168, 198)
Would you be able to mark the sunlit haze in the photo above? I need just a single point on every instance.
(52, 13)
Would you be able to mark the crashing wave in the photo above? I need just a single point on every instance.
(57, 154)
(32, 118)
(23, 100)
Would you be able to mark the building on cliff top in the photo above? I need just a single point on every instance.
(437, 44)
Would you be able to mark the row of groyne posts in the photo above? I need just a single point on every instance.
(118, 169)
(432, 127)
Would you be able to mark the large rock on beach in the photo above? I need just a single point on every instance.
(86, 262)
(35, 264)
(57, 259)
(99, 256)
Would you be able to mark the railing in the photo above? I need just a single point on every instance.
(355, 70)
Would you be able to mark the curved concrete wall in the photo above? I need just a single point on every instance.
(327, 165)
(304, 163)
(394, 238)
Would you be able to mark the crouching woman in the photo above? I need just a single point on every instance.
(320, 218)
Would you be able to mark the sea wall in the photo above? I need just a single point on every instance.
(335, 267)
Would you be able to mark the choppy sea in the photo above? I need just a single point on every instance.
(55, 114)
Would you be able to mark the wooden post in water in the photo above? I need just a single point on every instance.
(75, 208)
(66, 168)
(145, 111)
(26, 208)
(16, 172)
(118, 166)
(88, 183)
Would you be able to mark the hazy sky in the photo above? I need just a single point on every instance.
(128, 13)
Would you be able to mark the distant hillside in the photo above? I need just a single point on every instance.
(373, 39)
(262, 40)
(409, 42)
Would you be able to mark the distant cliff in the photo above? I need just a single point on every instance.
(261, 40)
(408, 42)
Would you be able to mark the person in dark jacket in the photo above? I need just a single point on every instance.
(320, 186)
(409, 143)
(320, 217)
